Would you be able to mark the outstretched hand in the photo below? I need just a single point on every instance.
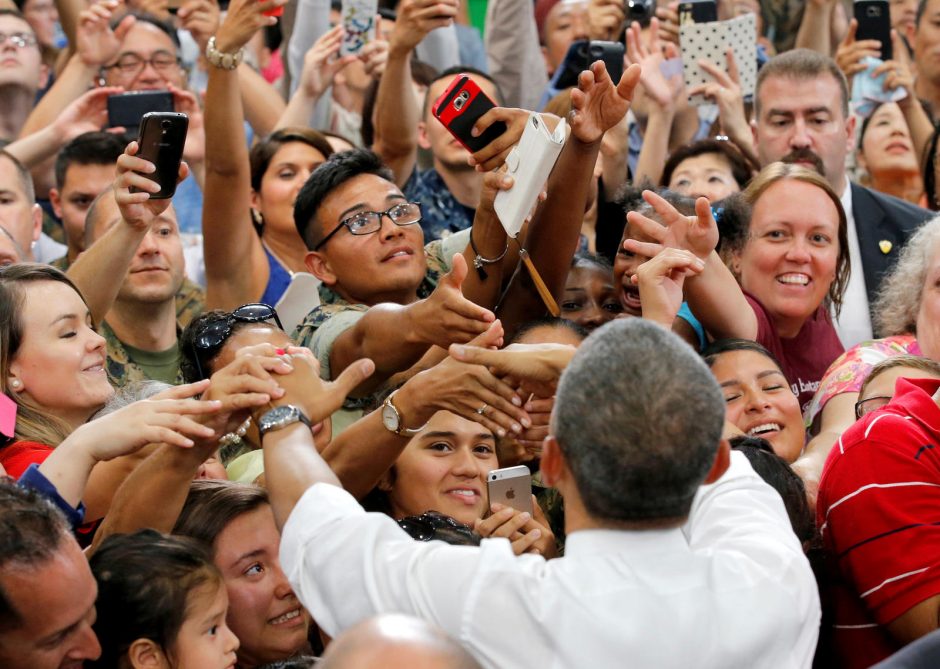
(698, 234)
(533, 367)
(660, 281)
(446, 316)
(598, 104)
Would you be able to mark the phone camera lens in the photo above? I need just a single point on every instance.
(166, 124)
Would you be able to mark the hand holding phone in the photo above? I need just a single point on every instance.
(161, 140)
(460, 106)
(511, 486)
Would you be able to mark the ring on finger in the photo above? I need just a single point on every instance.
(482, 410)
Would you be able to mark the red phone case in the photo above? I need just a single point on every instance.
(460, 106)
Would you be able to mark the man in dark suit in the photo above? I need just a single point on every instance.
(802, 117)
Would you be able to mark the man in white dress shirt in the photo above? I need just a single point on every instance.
(677, 555)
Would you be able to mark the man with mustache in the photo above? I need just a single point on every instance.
(801, 108)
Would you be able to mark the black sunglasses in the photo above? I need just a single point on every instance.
(216, 334)
(426, 526)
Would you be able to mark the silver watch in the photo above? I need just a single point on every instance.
(280, 417)
(392, 420)
(225, 61)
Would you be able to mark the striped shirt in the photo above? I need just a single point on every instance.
(879, 514)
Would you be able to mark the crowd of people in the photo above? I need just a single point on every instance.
(254, 425)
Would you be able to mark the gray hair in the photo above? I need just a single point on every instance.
(901, 290)
(132, 392)
(638, 417)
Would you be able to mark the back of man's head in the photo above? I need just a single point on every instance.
(23, 177)
(638, 417)
(32, 532)
(802, 64)
(395, 642)
(326, 178)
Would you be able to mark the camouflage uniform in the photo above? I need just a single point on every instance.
(335, 315)
(52, 227)
(190, 301)
(121, 369)
(441, 214)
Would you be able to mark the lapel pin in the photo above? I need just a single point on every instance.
(885, 246)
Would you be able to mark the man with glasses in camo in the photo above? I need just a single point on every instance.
(385, 295)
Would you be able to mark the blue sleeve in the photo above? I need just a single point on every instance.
(686, 314)
(33, 479)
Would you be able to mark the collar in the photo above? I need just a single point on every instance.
(628, 543)
(915, 398)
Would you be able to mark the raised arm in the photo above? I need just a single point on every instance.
(118, 246)
(444, 317)
(513, 53)
(552, 236)
(714, 295)
(229, 238)
(240, 386)
(397, 112)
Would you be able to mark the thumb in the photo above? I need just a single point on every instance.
(628, 81)
(850, 33)
(457, 273)
(121, 30)
(353, 376)
(491, 337)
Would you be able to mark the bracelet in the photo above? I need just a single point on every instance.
(225, 61)
(479, 261)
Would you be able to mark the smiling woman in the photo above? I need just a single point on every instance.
(51, 361)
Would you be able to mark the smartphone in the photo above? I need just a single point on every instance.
(511, 486)
(460, 106)
(161, 139)
(612, 55)
(279, 11)
(173, 6)
(697, 11)
(127, 109)
(874, 22)
(358, 18)
(567, 73)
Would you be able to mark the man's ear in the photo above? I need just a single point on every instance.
(43, 76)
(318, 265)
(552, 464)
(55, 199)
(146, 654)
(850, 130)
(423, 140)
(721, 464)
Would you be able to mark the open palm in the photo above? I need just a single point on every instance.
(598, 104)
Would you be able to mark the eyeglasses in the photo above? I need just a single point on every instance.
(870, 404)
(218, 332)
(21, 40)
(426, 526)
(368, 222)
(130, 64)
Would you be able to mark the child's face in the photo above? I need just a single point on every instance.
(204, 640)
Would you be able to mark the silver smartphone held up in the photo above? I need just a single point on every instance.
(511, 486)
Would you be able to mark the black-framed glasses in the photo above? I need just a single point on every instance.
(369, 222)
(21, 40)
(430, 524)
(216, 334)
(131, 64)
(870, 404)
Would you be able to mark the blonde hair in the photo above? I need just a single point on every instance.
(899, 297)
(776, 172)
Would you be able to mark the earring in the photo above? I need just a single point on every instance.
(16, 384)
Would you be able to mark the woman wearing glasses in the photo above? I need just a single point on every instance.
(907, 315)
(247, 194)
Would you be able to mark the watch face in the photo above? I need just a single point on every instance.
(276, 416)
(390, 417)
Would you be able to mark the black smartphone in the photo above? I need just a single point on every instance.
(612, 55)
(874, 22)
(460, 107)
(161, 139)
(567, 73)
(697, 11)
(127, 109)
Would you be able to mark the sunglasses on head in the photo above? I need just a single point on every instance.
(217, 333)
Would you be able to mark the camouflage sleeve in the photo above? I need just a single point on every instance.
(439, 254)
(320, 330)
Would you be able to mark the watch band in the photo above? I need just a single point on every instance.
(222, 60)
(400, 430)
(281, 417)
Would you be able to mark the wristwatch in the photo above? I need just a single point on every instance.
(225, 61)
(392, 420)
(280, 417)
